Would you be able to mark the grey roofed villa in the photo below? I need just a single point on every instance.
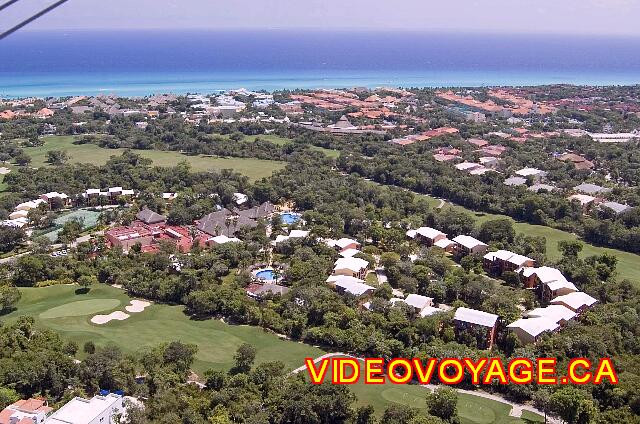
(148, 216)
(228, 223)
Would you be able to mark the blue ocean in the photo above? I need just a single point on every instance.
(136, 63)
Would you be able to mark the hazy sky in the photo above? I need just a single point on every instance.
(531, 16)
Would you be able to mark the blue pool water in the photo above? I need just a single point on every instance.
(290, 218)
(266, 275)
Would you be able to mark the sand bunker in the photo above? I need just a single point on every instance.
(103, 319)
(137, 306)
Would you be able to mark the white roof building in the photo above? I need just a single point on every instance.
(298, 233)
(507, 256)
(443, 243)
(240, 198)
(349, 253)
(351, 285)
(430, 310)
(575, 301)
(31, 204)
(515, 181)
(535, 326)
(293, 234)
(97, 410)
(352, 264)
(556, 313)
(551, 277)
(430, 233)
(584, 199)
(468, 242)
(54, 194)
(222, 239)
(342, 243)
(476, 317)
(467, 166)
(18, 214)
(533, 172)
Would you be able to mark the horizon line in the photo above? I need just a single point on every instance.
(363, 30)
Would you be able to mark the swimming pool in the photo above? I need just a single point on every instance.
(265, 275)
(290, 217)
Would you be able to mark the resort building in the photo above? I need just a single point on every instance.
(214, 241)
(229, 223)
(467, 245)
(558, 313)
(591, 189)
(353, 267)
(150, 217)
(515, 181)
(584, 199)
(616, 207)
(343, 244)
(503, 260)
(470, 319)
(427, 235)
(580, 162)
(31, 411)
(293, 234)
(529, 330)
(97, 410)
(61, 197)
(548, 282)
(258, 291)
(149, 237)
(350, 285)
(578, 302)
(536, 188)
(422, 305)
(533, 173)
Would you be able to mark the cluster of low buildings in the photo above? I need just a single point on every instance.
(565, 301)
(150, 229)
(54, 200)
(106, 408)
(424, 136)
(513, 104)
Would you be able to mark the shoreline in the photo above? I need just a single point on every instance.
(136, 84)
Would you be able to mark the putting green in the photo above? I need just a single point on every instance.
(80, 308)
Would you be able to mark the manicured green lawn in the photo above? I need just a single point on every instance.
(272, 138)
(332, 153)
(281, 141)
(628, 263)
(255, 169)
(61, 309)
(471, 409)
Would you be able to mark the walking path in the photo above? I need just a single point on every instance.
(516, 408)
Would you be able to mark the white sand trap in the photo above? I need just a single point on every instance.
(103, 319)
(137, 306)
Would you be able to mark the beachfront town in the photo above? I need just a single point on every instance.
(390, 222)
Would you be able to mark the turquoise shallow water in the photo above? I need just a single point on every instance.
(143, 83)
(146, 62)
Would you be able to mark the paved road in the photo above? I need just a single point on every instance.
(516, 409)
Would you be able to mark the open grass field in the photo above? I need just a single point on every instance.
(281, 141)
(68, 313)
(255, 169)
(628, 263)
